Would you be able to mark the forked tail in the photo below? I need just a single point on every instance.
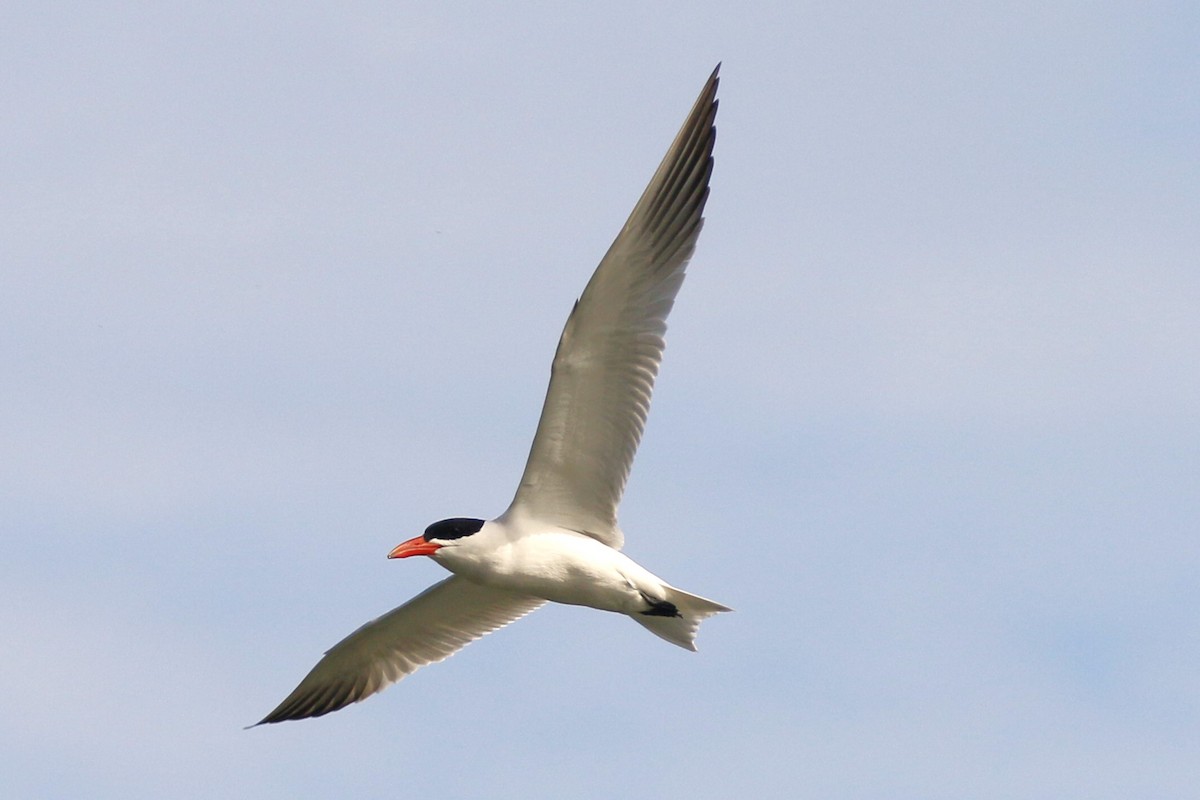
(680, 628)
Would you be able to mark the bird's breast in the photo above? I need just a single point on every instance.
(561, 567)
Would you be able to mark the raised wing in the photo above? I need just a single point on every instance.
(607, 359)
(432, 626)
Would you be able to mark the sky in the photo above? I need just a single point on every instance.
(281, 285)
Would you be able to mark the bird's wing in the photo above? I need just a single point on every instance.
(432, 626)
(607, 359)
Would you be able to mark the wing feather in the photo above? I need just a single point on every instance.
(604, 369)
(432, 626)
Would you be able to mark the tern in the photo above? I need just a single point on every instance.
(559, 540)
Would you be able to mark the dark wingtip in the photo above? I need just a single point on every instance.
(714, 80)
(269, 719)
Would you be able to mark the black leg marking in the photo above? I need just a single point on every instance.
(660, 608)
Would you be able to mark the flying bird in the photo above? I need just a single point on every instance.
(559, 540)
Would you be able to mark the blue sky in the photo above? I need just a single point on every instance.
(282, 287)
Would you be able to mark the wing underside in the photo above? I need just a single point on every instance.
(607, 360)
(432, 626)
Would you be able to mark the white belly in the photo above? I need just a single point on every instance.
(562, 567)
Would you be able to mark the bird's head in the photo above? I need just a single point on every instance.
(447, 533)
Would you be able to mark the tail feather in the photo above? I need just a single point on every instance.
(680, 629)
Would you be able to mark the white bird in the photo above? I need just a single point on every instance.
(559, 540)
